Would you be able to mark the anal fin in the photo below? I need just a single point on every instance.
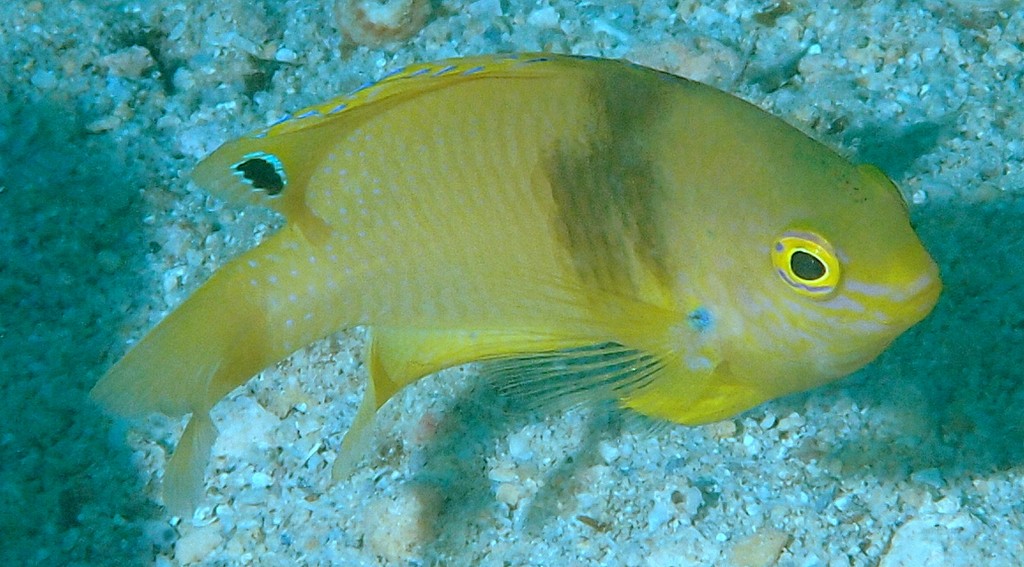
(400, 356)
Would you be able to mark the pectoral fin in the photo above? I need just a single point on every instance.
(566, 377)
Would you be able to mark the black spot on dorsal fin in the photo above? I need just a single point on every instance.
(263, 171)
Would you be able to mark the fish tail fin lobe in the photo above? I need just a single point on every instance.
(186, 469)
(208, 346)
(212, 343)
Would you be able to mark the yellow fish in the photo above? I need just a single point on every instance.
(589, 228)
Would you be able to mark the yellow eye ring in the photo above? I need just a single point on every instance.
(807, 263)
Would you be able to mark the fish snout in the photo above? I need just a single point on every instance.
(915, 293)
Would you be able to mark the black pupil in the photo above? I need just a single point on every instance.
(262, 175)
(806, 266)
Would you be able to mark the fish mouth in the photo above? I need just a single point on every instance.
(907, 305)
(909, 295)
(914, 300)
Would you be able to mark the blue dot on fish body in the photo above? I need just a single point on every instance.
(700, 319)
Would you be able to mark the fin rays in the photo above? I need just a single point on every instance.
(606, 371)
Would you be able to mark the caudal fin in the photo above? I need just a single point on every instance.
(211, 344)
(170, 369)
(186, 469)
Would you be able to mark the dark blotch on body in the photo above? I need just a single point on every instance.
(607, 191)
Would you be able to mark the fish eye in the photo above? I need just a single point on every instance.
(807, 263)
(806, 266)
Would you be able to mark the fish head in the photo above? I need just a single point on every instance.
(789, 266)
(842, 274)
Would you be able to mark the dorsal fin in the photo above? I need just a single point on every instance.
(270, 167)
(412, 80)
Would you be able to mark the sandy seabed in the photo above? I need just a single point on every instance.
(106, 105)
